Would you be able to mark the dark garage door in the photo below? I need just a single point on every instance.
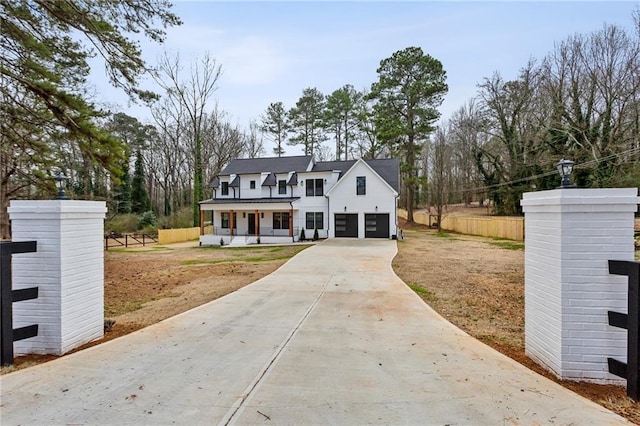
(346, 225)
(376, 225)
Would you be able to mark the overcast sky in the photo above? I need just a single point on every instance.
(271, 51)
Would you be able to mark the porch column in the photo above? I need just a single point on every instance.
(231, 224)
(201, 222)
(291, 223)
(257, 220)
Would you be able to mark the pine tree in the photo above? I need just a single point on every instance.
(122, 191)
(410, 87)
(276, 126)
(46, 48)
(306, 121)
(139, 196)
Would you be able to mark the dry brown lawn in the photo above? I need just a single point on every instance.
(477, 283)
(148, 284)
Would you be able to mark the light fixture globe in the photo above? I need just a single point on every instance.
(61, 180)
(565, 167)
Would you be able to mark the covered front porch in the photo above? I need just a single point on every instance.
(241, 222)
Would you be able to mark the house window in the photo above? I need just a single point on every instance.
(361, 185)
(314, 187)
(225, 188)
(280, 220)
(315, 220)
(252, 184)
(282, 187)
(225, 220)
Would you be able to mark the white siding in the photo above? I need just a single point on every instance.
(314, 203)
(379, 198)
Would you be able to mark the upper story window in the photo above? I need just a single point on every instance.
(225, 188)
(361, 185)
(252, 184)
(314, 187)
(282, 187)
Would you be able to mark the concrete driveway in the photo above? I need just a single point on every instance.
(332, 337)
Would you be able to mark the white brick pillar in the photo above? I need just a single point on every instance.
(570, 235)
(68, 268)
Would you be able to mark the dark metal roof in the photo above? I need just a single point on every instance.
(293, 180)
(271, 164)
(215, 182)
(327, 166)
(270, 180)
(388, 169)
(235, 183)
(286, 200)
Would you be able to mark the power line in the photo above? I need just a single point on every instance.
(586, 164)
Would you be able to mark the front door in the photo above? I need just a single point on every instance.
(251, 217)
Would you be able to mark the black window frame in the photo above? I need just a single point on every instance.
(282, 187)
(281, 219)
(252, 184)
(314, 220)
(314, 187)
(225, 188)
(319, 187)
(361, 185)
(224, 220)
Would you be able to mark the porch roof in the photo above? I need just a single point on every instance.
(247, 203)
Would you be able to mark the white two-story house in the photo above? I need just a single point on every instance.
(272, 200)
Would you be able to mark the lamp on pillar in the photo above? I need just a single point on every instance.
(61, 183)
(565, 167)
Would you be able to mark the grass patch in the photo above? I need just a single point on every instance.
(250, 254)
(123, 308)
(423, 292)
(205, 261)
(252, 259)
(444, 235)
(136, 249)
(265, 259)
(507, 244)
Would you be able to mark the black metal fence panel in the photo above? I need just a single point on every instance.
(8, 296)
(630, 321)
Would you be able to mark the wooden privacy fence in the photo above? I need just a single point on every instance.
(166, 236)
(511, 228)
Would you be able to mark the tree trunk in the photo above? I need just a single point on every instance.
(5, 228)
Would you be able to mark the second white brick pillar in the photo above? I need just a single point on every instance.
(570, 236)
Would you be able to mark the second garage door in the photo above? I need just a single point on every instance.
(346, 225)
(376, 225)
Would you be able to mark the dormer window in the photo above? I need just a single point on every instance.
(225, 188)
(252, 184)
(282, 187)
